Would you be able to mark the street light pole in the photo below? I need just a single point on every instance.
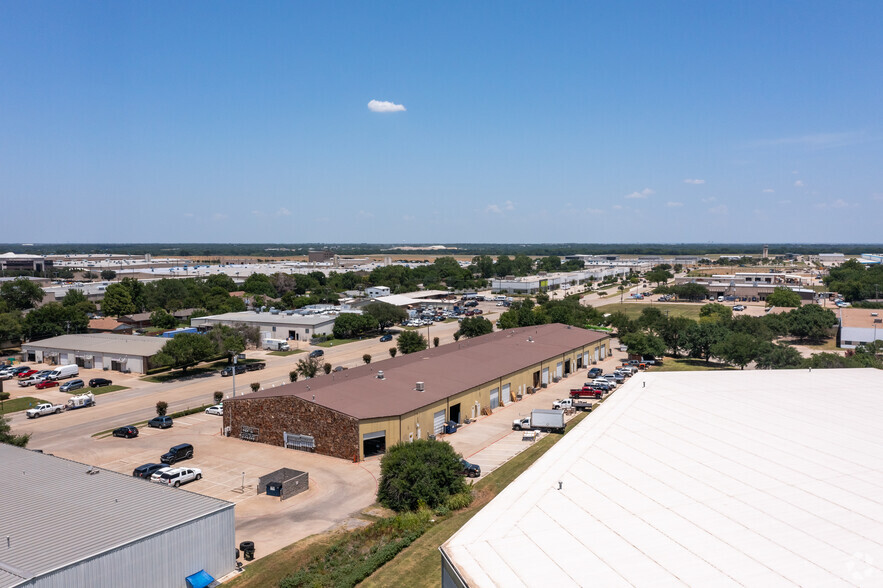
(234, 375)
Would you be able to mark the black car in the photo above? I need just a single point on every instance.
(228, 371)
(258, 365)
(177, 453)
(595, 372)
(470, 470)
(147, 470)
(317, 353)
(386, 338)
(127, 432)
(99, 382)
(160, 422)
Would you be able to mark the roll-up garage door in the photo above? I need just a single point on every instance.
(495, 398)
(586, 359)
(506, 395)
(374, 443)
(545, 375)
(597, 355)
(559, 370)
(603, 349)
(438, 422)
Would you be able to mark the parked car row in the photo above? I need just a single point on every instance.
(241, 368)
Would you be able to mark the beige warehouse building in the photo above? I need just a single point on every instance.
(359, 412)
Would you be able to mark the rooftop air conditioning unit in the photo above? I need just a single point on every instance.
(421, 386)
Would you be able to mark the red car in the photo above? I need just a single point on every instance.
(27, 374)
(46, 384)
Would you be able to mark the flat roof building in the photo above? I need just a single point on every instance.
(22, 262)
(123, 353)
(697, 479)
(65, 523)
(274, 324)
(858, 326)
(358, 412)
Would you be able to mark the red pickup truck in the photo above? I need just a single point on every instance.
(586, 392)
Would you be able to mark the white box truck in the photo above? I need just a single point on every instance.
(276, 345)
(64, 371)
(541, 420)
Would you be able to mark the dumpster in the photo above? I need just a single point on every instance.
(450, 427)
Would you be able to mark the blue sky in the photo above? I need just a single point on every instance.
(522, 122)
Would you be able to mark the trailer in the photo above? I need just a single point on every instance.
(80, 401)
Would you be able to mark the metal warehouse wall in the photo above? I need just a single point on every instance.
(163, 560)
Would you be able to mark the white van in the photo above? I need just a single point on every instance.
(64, 371)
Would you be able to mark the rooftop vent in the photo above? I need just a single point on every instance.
(421, 386)
(380, 375)
(873, 314)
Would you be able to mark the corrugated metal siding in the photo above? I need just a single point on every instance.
(163, 560)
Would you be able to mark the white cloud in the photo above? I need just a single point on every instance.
(709, 199)
(500, 208)
(283, 212)
(257, 212)
(594, 211)
(816, 140)
(799, 184)
(674, 204)
(769, 191)
(617, 207)
(877, 196)
(365, 214)
(409, 218)
(188, 215)
(219, 216)
(784, 202)
(840, 203)
(384, 106)
(697, 182)
(508, 205)
(720, 209)
(642, 194)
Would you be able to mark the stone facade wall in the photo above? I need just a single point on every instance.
(336, 434)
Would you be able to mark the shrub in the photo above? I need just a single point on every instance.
(327, 368)
(420, 473)
(435, 341)
(161, 408)
(411, 341)
(255, 386)
(393, 351)
(366, 358)
(459, 501)
(219, 397)
(292, 376)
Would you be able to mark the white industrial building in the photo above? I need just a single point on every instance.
(859, 326)
(726, 478)
(543, 282)
(122, 353)
(66, 524)
(377, 291)
(274, 324)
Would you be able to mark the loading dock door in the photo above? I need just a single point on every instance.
(438, 422)
(546, 376)
(597, 355)
(374, 443)
(558, 370)
(506, 395)
(453, 414)
(585, 359)
(495, 398)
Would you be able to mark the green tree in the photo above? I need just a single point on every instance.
(551, 263)
(643, 344)
(811, 322)
(162, 320)
(484, 265)
(523, 264)
(715, 313)
(386, 314)
(411, 341)
(161, 408)
(737, 348)
(366, 358)
(185, 350)
(701, 337)
(108, 274)
(419, 473)
(10, 327)
(348, 325)
(772, 356)
(783, 297)
(7, 436)
(54, 319)
(259, 284)
(658, 276)
(308, 368)
(227, 341)
(504, 266)
(117, 300)
(674, 331)
(21, 294)
(475, 326)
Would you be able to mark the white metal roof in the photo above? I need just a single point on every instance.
(55, 513)
(109, 343)
(265, 318)
(756, 478)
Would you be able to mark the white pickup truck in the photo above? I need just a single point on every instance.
(574, 403)
(43, 409)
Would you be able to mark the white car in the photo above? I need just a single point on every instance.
(176, 476)
(217, 409)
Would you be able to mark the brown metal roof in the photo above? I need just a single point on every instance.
(445, 371)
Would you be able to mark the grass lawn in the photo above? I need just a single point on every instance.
(17, 404)
(336, 342)
(286, 353)
(417, 565)
(101, 390)
(686, 364)
(178, 374)
(830, 344)
(633, 310)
